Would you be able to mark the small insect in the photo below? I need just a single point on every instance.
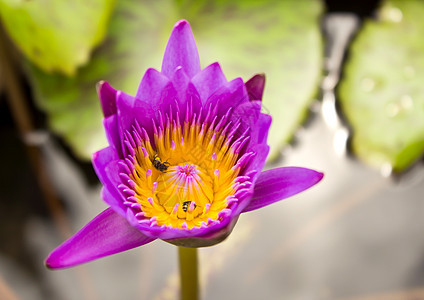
(186, 205)
(161, 166)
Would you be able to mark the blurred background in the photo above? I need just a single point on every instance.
(345, 89)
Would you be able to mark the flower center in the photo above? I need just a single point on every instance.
(191, 177)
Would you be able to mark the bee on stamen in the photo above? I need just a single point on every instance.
(161, 166)
(186, 205)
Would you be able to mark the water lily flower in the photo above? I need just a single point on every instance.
(184, 159)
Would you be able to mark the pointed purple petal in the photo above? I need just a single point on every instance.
(259, 131)
(253, 169)
(255, 87)
(125, 104)
(258, 161)
(112, 133)
(181, 50)
(131, 109)
(105, 163)
(209, 80)
(248, 113)
(125, 113)
(277, 184)
(231, 94)
(113, 197)
(193, 98)
(180, 94)
(150, 89)
(262, 127)
(106, 234)
(101, 159)
(180, 82)
(107, 96)
(156, 92)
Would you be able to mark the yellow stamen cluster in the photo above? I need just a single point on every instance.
(189, 179)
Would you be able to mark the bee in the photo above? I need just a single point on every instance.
(186, 205)
(161, 166)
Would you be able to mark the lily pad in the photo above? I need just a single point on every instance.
(382, 94)
(279, 38)
(56, 35)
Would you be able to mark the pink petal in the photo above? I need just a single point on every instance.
(259, 132)
(248, 113)
(125, 111)
(106, 234)
(107, 96)
(101, 159)
(209, 80)
(258, 161)
(112, 133)
(230, 95)
(181, 50)
(155, 93)
(277, 184)
(105, 163)
(255, 87)
(180, 82)
(151, 86)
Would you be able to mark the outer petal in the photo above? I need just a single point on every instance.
(248, 113)
(106, 234)
(112, 133)
(150, 88)
(156, 93)
(259, 132)
(209, 80)
(107, 96)
(181, 50)
(187, 94)
(125, 113)
(277, 184)
(263, 124)
(107, 169)
(258, 162)
(209, 238)
(203, 236)
(253, 169)
(231, 94)
(255, 87)
(131, 109)
(125, 106)
(101, 159)
(180, 82)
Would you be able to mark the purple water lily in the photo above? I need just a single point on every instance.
(184, 159)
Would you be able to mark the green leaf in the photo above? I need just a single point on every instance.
(382, 94)
(56, 35)
(280, 38)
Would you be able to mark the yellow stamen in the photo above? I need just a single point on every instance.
(188, 180)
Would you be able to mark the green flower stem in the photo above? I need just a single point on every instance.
(188, 273)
